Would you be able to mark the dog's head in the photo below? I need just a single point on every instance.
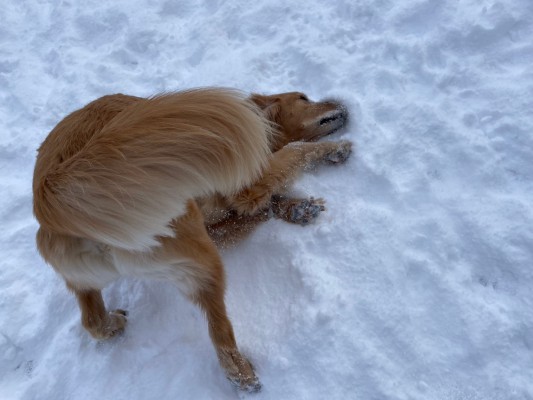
(300, 119)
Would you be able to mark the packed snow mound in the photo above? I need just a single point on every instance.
(414, 284)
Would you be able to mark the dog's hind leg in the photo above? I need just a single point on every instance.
(238, 369)
(191, 260)
(94, 317)
(86, 267)
(285, 165)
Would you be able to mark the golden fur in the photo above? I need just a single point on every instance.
(128, 186)
(174, 147)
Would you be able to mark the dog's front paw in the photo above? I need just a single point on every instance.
(340, 154)
(239, 371)
(298, 211)
(306, 211)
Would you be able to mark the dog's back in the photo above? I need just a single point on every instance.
(120, 169)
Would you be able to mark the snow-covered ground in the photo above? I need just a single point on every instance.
(417, 283)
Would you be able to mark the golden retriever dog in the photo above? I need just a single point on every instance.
(128, 186)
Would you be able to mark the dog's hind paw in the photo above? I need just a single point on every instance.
(116, 322)
(112, 325)
(341, 153)
(239, 371)
(298, 211)
(252, 386)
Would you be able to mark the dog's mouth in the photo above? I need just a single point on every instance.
(333, 121)
(327, 120)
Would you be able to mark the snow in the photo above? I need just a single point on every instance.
(416, 282)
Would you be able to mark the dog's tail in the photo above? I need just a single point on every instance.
(133, 177)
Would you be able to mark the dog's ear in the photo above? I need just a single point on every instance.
(270, 105)
(263, 101)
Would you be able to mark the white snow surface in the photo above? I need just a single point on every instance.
(416, 283)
